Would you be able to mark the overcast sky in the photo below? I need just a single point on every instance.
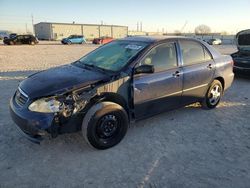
(155, 15)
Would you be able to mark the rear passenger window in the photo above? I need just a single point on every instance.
(207, 55)
(163, 57)
(193, 53)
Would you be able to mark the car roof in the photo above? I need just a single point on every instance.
(152, 38)
(155, 39)
(25, 35)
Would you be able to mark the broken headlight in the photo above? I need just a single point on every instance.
(66, 105)
(45, 105)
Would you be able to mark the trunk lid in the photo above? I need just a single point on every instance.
(243, 41)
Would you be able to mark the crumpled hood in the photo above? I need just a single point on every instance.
(59, 80)
(243, 40)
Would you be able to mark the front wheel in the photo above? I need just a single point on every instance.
(213, 95)
(105, 125)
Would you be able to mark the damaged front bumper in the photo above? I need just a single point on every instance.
(32, 125)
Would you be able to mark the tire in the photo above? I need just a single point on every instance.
(69, 43)
(105, 125)
(213, 95)
(32, 43)
(11, 43)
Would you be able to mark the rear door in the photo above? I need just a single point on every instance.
(161, 90)
(26, 39)
(19, 39)
(74, 39)
(198, 70)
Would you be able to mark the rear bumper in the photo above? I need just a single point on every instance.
(241, 70)
(32, 125)
(229, 80)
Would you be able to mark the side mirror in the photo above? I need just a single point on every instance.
(144, 69)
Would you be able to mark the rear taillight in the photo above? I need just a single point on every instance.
(232, 62)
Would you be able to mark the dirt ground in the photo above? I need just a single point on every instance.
(188, 147)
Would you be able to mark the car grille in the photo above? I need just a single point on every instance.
(20, 97)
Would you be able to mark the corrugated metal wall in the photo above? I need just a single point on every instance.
(120, 32)
(90, 31)
(62, 30)
(105, 31)
(57, 31)
(43, 31)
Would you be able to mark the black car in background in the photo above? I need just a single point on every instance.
(21, 39)
(12, 35)
(118, 83)
(242, 57)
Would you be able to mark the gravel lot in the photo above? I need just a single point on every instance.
(188, 147)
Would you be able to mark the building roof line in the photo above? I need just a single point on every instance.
(79, 24)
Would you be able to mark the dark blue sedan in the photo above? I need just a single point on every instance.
(118, 83)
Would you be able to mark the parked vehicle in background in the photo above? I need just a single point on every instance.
(21, 39)
(74, 39)
(4, 34)
(12, 35)
(121, 82)
(214, 42)
(242, 57)
(102, 40)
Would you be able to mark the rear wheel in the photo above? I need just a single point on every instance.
(105, 125)
(11, 43)
(213, 95)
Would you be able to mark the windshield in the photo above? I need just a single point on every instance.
(113, 56)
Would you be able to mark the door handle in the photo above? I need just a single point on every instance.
(210, 66)
(176, 74)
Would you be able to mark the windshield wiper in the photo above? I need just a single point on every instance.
(92, 67)
(84, 65)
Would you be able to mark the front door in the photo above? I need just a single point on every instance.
(161, 90)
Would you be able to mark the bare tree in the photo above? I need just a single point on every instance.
(224, 33)
(202, 30)
(177, 32)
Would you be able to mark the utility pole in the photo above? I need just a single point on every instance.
(141, 26)
(32, 20)
(26, 27)
(183, 27)
(137, 26)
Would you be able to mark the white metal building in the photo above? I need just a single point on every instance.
(57, 31)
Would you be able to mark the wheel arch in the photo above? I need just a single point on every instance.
(110, 97)
(221, 80)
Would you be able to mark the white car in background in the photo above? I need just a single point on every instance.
(214, 42)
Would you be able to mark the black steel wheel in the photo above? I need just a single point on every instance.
(105, 125)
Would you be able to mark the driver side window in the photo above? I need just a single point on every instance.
(162, 57)
(19, 38)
